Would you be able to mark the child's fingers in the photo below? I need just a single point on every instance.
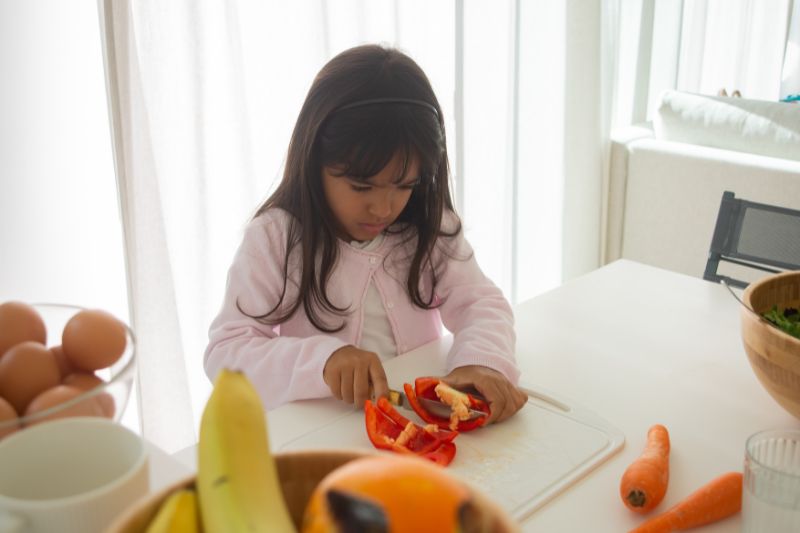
(361, 385)
(332, 379)
(457, 382)
(521, 398)
(515, 399)
(377, 377)
(504, 398)
(494, 397)
(346, 384)
(509, 406)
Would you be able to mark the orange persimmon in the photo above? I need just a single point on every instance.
(397, 493)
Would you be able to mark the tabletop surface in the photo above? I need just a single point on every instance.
(638, 346)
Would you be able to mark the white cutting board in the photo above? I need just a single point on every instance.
(520, 463)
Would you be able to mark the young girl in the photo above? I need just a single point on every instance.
(358, 255)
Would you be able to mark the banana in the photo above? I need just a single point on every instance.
(178, 514)
(237, 481)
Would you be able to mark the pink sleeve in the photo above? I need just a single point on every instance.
(282, 369)
(478, 314)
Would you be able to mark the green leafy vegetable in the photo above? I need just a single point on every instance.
(788, 319)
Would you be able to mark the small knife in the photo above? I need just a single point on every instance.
(435, 407)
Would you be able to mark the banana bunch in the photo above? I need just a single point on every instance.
(178, 514)
(237, 480)
(237, 486)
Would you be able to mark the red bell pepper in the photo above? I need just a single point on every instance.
(425, 388)
(389, 430)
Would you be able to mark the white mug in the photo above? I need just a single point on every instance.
(70, 475)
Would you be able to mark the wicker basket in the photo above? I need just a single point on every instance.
(300, 472)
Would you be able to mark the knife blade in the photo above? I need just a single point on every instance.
(435, 407)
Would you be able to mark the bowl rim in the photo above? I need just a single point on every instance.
(82, 423)
(755, 286)
(123, 373)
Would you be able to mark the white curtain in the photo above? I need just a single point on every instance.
(204, 95)
(60, 233)
(790, 77)
(703, 46)
(734, 45)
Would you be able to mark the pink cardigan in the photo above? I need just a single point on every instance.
(285, 362)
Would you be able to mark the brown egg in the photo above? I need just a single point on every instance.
(58, 395)
(7, 414)
(93, 339)
(64, 366)
(83, 380)
(19, 322)
(87, 382)
(27, 369)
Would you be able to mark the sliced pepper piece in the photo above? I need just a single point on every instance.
(426, 387)
(389, 430)
(443, 455)
(421, 436)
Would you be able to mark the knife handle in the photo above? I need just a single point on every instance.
(396, 398)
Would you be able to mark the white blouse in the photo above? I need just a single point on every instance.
(376, 335)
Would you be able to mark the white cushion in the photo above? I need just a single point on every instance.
(753, 126)
(673, 193)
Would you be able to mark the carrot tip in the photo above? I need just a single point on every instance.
(637, 498)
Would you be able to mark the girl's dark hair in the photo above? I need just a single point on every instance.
(360, 140)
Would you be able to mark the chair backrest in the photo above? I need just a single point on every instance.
(752, 235)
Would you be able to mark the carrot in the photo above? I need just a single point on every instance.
(719, 498)
(644, 482)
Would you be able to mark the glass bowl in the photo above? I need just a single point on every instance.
(110, 398)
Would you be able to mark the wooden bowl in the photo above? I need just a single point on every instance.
(773, 354)
(300, 472)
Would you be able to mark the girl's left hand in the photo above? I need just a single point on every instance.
(504, 398)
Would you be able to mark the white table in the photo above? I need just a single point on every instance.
(638, 346)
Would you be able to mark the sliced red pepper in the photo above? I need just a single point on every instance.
(389, 430)
(422, 441)
(425, 388)
(442, 455)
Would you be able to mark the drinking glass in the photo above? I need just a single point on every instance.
(771, 493)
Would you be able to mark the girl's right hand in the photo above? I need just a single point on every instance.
(353, 375)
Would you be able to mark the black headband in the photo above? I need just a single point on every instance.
(389, 100)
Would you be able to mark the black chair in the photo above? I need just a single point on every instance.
(752, 235)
